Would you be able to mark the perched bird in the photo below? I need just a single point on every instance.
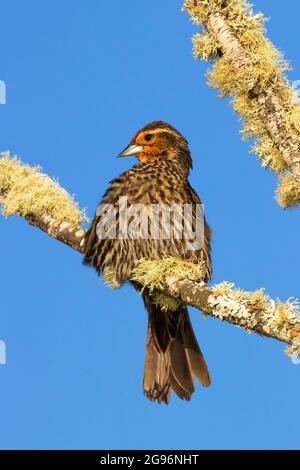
(160, 178)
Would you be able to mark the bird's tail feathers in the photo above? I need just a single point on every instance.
(173, 356)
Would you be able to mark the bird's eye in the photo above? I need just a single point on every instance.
(148, 137)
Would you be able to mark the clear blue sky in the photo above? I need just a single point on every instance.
(81, 78)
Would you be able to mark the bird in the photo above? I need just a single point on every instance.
(160, 178)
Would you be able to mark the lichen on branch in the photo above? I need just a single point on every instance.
(152, 273)
(248, 68)
(29, 193)
(25, 190)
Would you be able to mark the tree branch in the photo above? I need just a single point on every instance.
(57, 214)
(249, 69)
(61, 231)
(271, 110)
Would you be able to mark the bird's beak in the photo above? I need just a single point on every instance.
(131, 150)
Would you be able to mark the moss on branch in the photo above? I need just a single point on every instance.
(249, 69)
(26, 191)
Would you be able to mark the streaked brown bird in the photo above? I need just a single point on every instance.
(173, 356)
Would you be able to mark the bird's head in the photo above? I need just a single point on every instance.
(159, 140)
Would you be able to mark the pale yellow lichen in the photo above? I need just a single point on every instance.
(166, 302)
(275, 316)
(199, 11)
(293, 351)
(205, 46)
(152, 273)
(229, 301)
(295, 114)
(223, 77)
(110, 278)
(269, 155)
(288, 191)
(269, 66)
(223, 288)
(265, 68)
(285, 315)
(25, 191)
(257, 297)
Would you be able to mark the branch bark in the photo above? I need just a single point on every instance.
(62, 231)
(248, 67)
(272, 109)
